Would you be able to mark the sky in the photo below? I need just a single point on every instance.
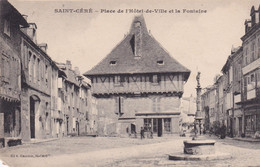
(199, 41)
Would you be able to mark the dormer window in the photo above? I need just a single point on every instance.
(160, 62)
(137, 24)
(7, 28)
(113, 62)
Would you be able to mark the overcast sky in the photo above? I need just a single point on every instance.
(198, 41)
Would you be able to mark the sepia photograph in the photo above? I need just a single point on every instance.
(129, 83)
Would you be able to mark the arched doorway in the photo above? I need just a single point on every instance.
(34, 104)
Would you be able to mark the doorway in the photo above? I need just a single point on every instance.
(77, 127)
(34, 104)
(159, 127)
(240, 125)
(133, 130)
(67, 124)
(32, 117)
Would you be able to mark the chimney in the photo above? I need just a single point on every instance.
(252, 14)
(31, 32)
(68, 64)
(43, 47)
(77, 72)
(247, 25)
(138, 38)
(257, 14)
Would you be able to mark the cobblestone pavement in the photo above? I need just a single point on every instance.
(113, 151)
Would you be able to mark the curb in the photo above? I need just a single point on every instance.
(40, 141)
(186, 157)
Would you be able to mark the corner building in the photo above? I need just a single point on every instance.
(10, 72)
(251, 73)
(138, 84)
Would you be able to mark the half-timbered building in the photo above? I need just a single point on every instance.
(138, 84)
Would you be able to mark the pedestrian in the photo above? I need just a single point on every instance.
(142, 132)
(223, 131)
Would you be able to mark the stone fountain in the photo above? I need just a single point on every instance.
(199, 148)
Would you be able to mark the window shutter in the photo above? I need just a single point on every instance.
(116, 105)
(121, 105)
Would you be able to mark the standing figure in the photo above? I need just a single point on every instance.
(142, 132)
(198, 79)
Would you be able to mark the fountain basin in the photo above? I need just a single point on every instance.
(197, 150)
(199, 147)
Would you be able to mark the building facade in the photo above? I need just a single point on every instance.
(38, 99)
(10, 72)
(238, 89)
(39, 87)
(76, 110)
(138, 85)
(251, 73)
(208, 99)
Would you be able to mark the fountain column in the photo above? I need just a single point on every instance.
(198, 115)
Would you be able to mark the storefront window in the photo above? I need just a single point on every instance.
(250, 122)
(167, 124)
(147, 124)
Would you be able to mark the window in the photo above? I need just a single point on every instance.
(7, 28)
(117, 80)
(25, 57)
(46, 75)
(160, 62)
(252, 52)
(137, 24)
(258, 78)
(147, 124)
(87, 116)
(30, 65)
(155, 79)
(258, 47)
(156, 104)
(86, 101)
(38, 70)
(252, 78)
(112, 62)
(5, 68)
(34, 68)
(250, 122)
(167, 124)
(245, 57)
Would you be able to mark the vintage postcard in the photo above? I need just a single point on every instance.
(129, 83)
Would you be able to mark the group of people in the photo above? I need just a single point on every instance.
(149, 134)
(221, 131)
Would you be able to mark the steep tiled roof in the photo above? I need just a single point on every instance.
(122, 58)
(8, 9)
(70, 74)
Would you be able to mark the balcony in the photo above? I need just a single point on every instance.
(237, 98)
(250, 67)
(251, 94)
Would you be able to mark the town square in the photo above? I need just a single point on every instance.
(160, 83)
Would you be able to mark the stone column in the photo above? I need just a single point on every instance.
(198, 115)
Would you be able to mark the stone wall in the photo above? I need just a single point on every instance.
(109, 113)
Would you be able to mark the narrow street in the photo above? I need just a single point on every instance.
(113, 151)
